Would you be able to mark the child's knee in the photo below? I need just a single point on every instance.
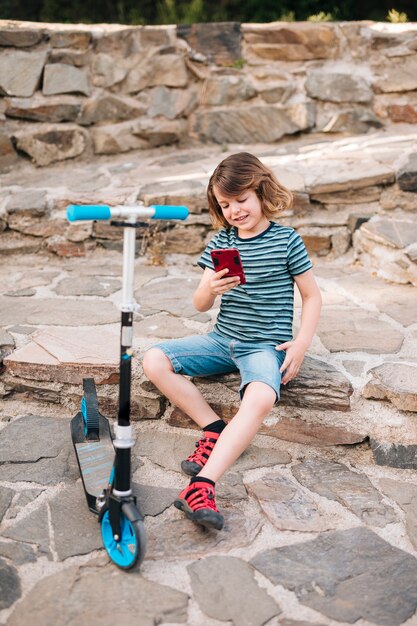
(154, 362)
(261, 395)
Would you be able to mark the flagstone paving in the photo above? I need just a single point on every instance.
(320, 511)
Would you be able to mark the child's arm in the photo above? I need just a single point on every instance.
(310, 313)
(212, 285)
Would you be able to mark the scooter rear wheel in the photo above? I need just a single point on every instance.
(129, 552)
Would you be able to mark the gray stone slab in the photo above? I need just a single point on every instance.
(391, 232)
(153, 500)
(10, 588)
(32, 438)
(32, 278)
(33, 529)
(347, 575)
(63, 78)
(397, 301)
(75, 529)
(99, 596)
(63, 312)
(163, 326)
(337, 174)
(51, 142)
(20, 72)
(6, 340)
(394, 454)
(319, 385)
(357, 331)
(225, 589)
(405, 495)
(87, 286)
(173, 295)
(337, 482)
(230, 487)
(6, 497)
(37, 449)
(19, 37)
(145, 273)
(169, 449)
(24, 498)
(396, 382)
(46, 471)
(172, 536)
(32, 201)
(38, 109)
(258, 123)
(313, 433)
(22, 330)
(17, 552)
(338, 87)
(286, 506)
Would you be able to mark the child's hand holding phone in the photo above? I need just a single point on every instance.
(219, 282)
(228, 258)
(228, 270)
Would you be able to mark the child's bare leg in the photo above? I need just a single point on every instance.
(178, 389)
(258, 400)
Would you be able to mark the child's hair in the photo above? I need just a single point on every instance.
(240, 172)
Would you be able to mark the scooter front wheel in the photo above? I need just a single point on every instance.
(129, 552)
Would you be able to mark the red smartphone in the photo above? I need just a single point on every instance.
(230, 258)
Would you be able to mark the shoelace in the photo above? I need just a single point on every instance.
(202, 498)
(204, 446)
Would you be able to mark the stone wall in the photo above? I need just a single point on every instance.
(71, 91)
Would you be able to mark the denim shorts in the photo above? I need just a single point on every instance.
(211, 354)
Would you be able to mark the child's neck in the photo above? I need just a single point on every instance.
(260, 227)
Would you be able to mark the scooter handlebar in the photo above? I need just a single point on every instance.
(169, 212)
(76, 212)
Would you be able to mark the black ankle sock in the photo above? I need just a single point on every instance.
(196, 479)
(215, 427)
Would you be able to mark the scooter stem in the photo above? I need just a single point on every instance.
(129, 239)
(124, 441)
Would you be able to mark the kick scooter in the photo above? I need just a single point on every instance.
(105, 464)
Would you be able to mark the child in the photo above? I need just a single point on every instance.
(253, 330)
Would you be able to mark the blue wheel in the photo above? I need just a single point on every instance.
(129, 551)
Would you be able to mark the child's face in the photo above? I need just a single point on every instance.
(243, 211)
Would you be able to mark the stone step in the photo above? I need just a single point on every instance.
(60, 323)
(317, 408)
(66, 358)
(337, 187)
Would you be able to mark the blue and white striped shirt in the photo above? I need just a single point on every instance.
(262, 309)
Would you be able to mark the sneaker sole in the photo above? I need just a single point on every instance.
(191, 469)
(204, 517)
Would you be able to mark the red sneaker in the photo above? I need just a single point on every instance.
(198, 503)
(196, 461)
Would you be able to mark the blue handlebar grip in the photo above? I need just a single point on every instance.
(167, 212)
(88, 212)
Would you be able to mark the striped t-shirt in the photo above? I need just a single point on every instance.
(262, 309)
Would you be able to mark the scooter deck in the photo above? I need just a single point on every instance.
(95, 458)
